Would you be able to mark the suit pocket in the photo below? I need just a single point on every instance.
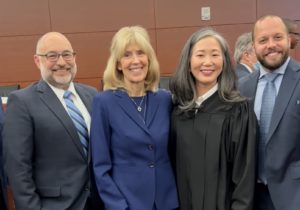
(49, 191)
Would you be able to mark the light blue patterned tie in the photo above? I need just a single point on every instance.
(267, 105)
(78, 121)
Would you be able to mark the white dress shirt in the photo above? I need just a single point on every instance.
(76, 100)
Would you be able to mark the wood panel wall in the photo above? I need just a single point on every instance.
(91, 24)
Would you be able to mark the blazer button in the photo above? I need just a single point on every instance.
(151, 165)
(150, 147)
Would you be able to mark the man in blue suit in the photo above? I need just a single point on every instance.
(2, 176)
(278, 185)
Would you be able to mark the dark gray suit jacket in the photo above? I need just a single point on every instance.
(3, 205)
(241, 71)
(283, 146)
(43, 156)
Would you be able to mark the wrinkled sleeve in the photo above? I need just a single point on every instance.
(243, 127)
(18, 149)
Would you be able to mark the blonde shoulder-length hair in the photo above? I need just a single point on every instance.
(114, 78)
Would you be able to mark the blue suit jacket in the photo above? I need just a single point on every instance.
(130, 158)
(283, 146)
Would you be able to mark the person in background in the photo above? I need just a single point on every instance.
(213, 132)
(274, 92)
(3, 196)
(244, 55)
(293, 30)
(130, 129)
(45, 134)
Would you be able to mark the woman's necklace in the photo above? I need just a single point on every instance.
(138, 106)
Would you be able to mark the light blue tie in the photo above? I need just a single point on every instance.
(78, 121)
(267, 105)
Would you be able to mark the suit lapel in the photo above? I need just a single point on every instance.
(128, 107)
(152, 106)
(288, 84)
(249, 86)
(244, 69)
(86, 98)
(53, 103)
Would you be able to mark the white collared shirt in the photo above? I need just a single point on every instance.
(206, 95)
(77, 101)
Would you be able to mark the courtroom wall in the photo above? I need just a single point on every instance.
(91, 24)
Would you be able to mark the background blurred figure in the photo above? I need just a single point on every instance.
(44, 148)
(293, 30)
(244, 55)
(275, 94)
(3, 196)
(213, 129)
(130, 129)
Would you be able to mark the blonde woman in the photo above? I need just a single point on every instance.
(130, 129)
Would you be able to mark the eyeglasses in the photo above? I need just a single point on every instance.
(54, 56)
(295, 33)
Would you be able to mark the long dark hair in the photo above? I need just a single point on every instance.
(183, 85)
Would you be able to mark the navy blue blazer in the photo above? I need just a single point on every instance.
(283, 144)
(130, 158)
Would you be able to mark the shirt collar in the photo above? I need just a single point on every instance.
(206, 95)
(247, 67)
(280, 70)
(60, 92)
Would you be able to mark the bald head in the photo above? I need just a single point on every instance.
(45, 43)
(56, 60)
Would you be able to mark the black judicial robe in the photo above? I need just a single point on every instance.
(214, 149)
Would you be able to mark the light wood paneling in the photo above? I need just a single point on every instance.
(169, 45)
(95, 82)
(16, 59)
(92, 53)
(23, 17)
(90, 26)
(71, 16)
(178, 13)
(232, 32)
(288, 8)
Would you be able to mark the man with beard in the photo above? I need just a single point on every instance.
(278, 180)
(46, 153)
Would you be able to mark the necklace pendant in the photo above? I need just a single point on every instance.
(139, 108)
